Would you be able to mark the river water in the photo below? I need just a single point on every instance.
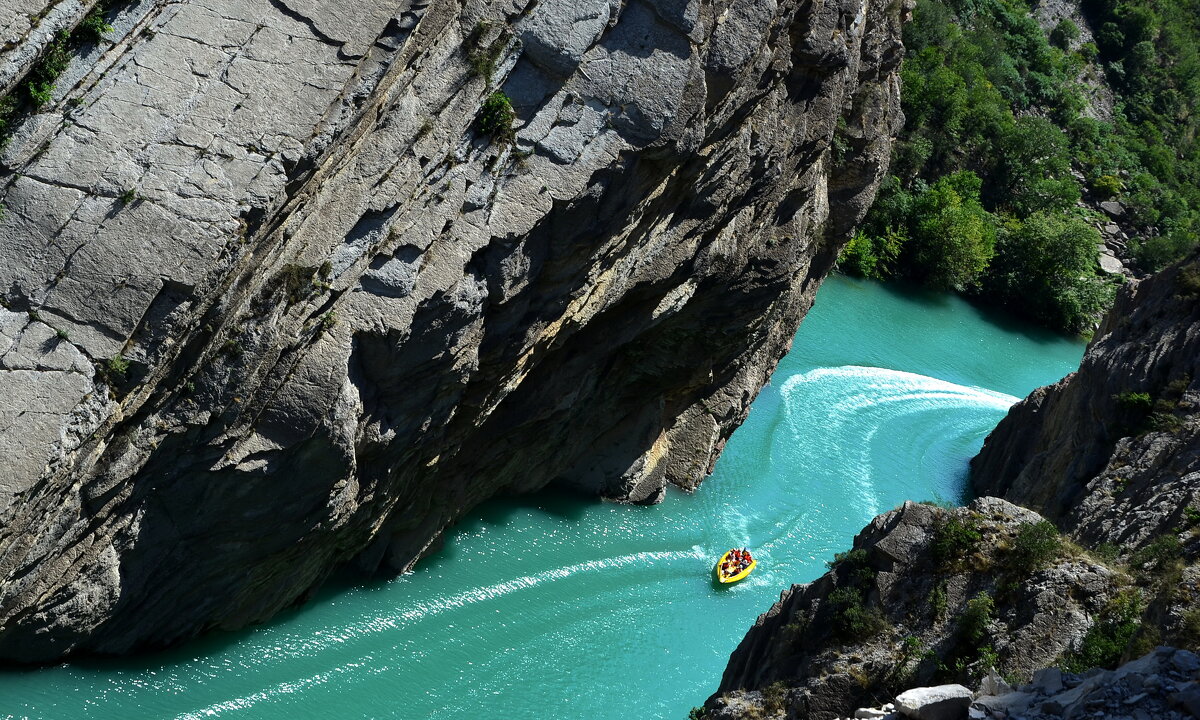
(555, 607)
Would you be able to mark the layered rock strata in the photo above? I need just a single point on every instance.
(1112, 452)
(275, 302)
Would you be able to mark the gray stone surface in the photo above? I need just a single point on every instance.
(1038, 616)
(1106, 471)
(345, 310)
(940, 702)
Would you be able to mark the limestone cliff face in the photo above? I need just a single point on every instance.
(1112, 452)
(274, 303)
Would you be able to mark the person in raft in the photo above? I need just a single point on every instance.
(738, 561)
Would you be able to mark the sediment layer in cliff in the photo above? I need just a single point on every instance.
(274, 301)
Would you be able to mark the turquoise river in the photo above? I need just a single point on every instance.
(555, 607)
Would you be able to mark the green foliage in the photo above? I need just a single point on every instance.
(1159, 557)
(1064, 33)
(1189, 630)
(954, 539)
(974, 621)
(852, 619)
(856, 565)
(1187, 282)
(1046, 265)
(40, 84)
(698, 713)
(1108, 552)
(937, 600)
(1034, 547)
(872, 257)
(496, 118)
(955, 237)
(775, 698)
(113, 371)
(128, 196)
(1134, 403)
(1107, 186)
(62, 334)
(94, 26)
(483, 58)
(1107, 639)
(987, 91)
(298, 282)
(117, 366)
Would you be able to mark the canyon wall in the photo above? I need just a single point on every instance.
(279, 297)
(1112, 452)
(1110, 456)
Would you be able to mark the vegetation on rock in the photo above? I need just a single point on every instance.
(999, 145)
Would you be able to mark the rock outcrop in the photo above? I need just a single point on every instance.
(927, 595)
(1112, 452)
(1111, 455)
(276, 302)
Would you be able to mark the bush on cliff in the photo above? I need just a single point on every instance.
(1107, 640)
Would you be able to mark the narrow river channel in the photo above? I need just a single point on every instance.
(556, 607)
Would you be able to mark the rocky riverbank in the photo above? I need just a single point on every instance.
(929, 595)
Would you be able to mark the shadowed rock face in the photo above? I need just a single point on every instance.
(347, 317)
(1107, 465)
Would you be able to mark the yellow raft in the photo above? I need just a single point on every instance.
(723, 578)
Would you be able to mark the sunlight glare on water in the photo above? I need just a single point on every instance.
(559, 607)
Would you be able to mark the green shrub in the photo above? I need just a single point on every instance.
(857, 564)
(775, 697)
(954, 539)
(1064, 33)
(298, 282)
(1034, 547)
(94, 26)
(937, 600)
(1189, 630)
(116, 367)
(1159, 556)
(1107, 186)
(974, 621)
(1108, 552)
(1187, 282)
(698, 713)
(1134, 403)
(1107, 639)
(1165, 422)
(483, 59)
(852, 619)
(496, 118)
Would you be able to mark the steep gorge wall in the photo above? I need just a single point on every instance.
(1112, 452)
(273, 304)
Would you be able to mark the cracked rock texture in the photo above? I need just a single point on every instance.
(1106, 466)
(798, 660)
(274, 304)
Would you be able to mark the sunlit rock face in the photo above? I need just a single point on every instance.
(274, 302)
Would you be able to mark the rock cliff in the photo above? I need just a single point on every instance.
(1111, 455)
(926, 595)
(278, 296)
(1112, 452)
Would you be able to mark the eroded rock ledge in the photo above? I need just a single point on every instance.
(274, 305)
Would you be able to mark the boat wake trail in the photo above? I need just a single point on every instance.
(856, 441)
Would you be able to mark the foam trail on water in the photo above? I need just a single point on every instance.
(844, 424)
